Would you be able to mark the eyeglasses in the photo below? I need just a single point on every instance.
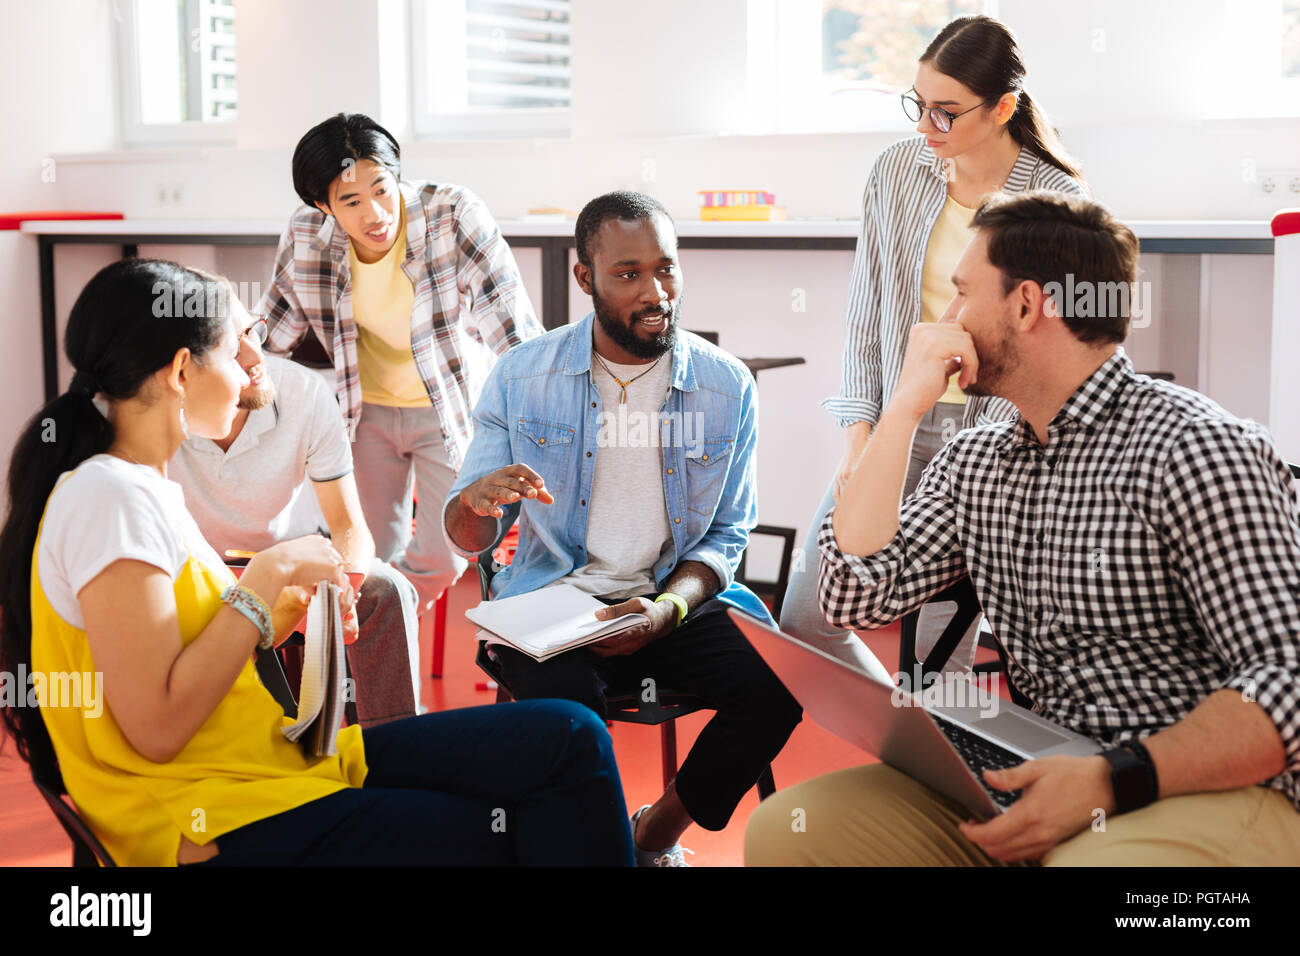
(257, 332)
(941, 118)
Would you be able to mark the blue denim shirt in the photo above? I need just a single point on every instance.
(540, 408)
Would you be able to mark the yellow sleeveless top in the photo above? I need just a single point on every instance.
(238, 768)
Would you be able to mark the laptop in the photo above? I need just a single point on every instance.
(947, 748)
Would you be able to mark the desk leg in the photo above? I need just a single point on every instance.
(49, 334)
(130, 251)
(555, 283)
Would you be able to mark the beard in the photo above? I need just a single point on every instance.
(624, 333)
(997, 360)
(250, 400)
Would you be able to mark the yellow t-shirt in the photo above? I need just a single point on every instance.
(237, 768)
(382, 299)
(951, 232)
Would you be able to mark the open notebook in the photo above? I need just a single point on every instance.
(324, 670)
(547, 622)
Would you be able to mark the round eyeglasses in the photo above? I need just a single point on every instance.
(941, 118)
(257, 332)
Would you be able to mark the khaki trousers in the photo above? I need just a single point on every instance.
(878, 816)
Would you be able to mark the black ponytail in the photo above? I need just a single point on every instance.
(982, 54)
(129, 321)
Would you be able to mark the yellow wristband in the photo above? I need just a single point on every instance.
(677, 600)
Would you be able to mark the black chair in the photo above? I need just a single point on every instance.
(968, 611)
(770, 589)
(86, 848)
(775, 590)
(623, 705)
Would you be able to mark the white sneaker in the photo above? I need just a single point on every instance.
(669, 857)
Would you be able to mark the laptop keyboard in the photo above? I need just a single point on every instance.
(980, 755)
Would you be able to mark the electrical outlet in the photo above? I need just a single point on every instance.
(170, 194)
(1274, 182)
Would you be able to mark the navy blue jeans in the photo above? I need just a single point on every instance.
(531, 783)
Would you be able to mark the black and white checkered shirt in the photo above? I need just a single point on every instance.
(1148, 556)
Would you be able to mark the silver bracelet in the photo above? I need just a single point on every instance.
(250, 605)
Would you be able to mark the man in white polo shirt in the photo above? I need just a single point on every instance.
(246, 490)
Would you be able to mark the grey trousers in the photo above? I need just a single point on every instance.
(385, 658)
(398, 452)
(802, 617)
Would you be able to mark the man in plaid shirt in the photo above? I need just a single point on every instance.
(413, 293)
(1135, 547)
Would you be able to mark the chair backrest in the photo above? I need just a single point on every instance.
(486, 564)
(961, 593)
(86, 848)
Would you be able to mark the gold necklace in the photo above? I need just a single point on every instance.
(622, 385)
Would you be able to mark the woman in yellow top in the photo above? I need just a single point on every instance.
(106, 583)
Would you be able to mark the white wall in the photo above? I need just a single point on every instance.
(48, 108)
(651, 83)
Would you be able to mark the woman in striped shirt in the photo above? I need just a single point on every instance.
(980, 133)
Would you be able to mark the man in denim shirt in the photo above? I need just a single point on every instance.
(632, 466)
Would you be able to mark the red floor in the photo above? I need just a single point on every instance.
(29, 835)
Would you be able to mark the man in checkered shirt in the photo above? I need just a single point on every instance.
(1135, 547)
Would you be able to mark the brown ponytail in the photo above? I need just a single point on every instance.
(982, 54)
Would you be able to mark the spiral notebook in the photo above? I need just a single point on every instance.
(324, 672)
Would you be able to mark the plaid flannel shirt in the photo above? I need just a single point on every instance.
(1144, 558)
(470, 304)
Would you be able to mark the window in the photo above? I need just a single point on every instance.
(1291, 38)
(1258, 47)
(178, 70)
(490, 67)
(840, 64)
(875, 44)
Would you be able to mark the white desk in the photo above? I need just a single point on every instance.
(555, 239)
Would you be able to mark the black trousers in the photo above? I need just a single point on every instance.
(707, 657)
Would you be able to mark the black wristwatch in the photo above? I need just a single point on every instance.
(1133, 777)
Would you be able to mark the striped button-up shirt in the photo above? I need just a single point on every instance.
(1147, 556)
(470, 304)
(905, 194)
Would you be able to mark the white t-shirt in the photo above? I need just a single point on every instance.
(627, 523)
(256, 493)
(108, 510)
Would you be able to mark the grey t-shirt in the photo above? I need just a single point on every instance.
(627, 524)
(248, 498)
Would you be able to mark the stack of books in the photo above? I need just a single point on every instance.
(737, 205)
